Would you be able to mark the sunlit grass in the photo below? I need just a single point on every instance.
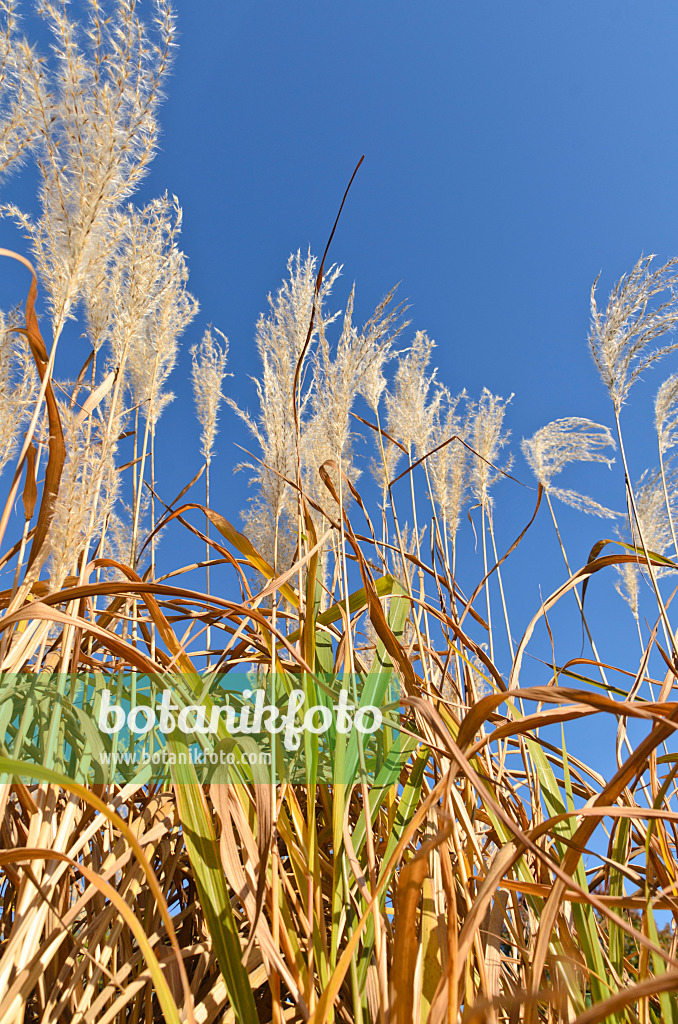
(463, 865)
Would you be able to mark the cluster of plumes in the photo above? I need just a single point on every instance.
(91, 113)
(462, 439)
(416, 417)
(573, 439)
(136, 313)
(459, 441)
(18, 386)
(642, 308)
(329, 381)
(421, 416)
(208, 372)
(88, 116)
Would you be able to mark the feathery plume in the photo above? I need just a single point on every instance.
(487, 440)
(666, 414)
(166, 307)
(410, 410)
(17, 131)
(208, 372)
(18, 385)
(573, 439)
(655, 527)
(280, 339)
(410, 413)
(87, 491)
(448, 468)
(378, 337)
(356, 368)
(620, 335)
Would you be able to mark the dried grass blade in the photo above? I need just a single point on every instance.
(167, 1003)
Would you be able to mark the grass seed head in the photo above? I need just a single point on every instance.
(18, 385)
(208, 372)
(487, 440)
(666, 414)
(642, 308)
(573, 439)
(654, 520)
(92, 113)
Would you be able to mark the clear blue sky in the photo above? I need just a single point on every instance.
(512, 152)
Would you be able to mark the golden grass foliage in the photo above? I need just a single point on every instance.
(483, 873)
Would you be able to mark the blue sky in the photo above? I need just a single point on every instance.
(512, 153)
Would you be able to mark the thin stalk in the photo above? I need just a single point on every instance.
(379, 938)
(425, 652)
(207, 553)
(501, 588)
(577, 597)
(487, 584)
(139, 488)
(406, 571)
(442, 540)
(7, 511)
(153, 533)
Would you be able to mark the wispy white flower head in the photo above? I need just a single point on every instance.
(620, 335)
(413, 401)
(208, 372)
(17, 129)
(573, 439)
(340, 374)
(666, 414)
(18, 386)
(448, 468)
(280, 340)
(654, 524)
(164, 307)
(376, 348)
(487, 438)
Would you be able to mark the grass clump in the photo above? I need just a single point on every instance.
(464, 863)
